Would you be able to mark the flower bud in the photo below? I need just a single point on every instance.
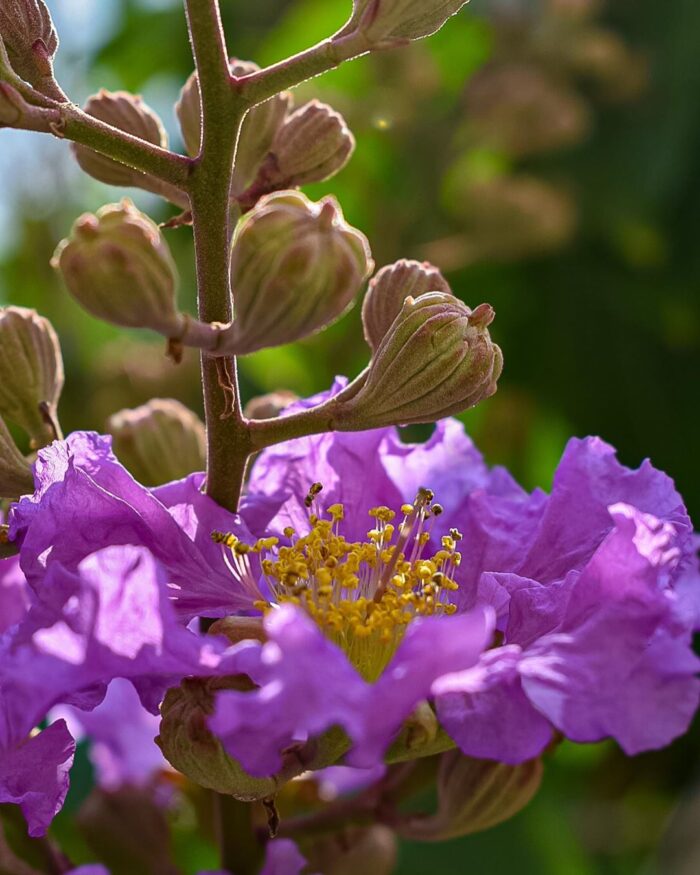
(257, 132)
(296, 267)
(473, 795)
(11, 106)
(192, 749)
(31, 372)
(117, 265)
(389, 289)
(373, 850)
(270, 405)
(311, 145)
(15, 472)
(387, 22)
(30, 38)
(437, 359)
(128, 113)
(159, 442)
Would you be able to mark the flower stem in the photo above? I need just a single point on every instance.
(223, 110)
(241, 852)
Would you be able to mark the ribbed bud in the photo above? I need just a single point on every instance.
(270, 405)
(192, 749)
(372, 850)
(296, 267)
(312, 144)
(159, 442)
(389, 289)
(117, 265)
(30, 38)
(128, 113)
(436, 360)
(257, 132)
(473, 795)
(384, 22)
(31, 372)
(15, 472)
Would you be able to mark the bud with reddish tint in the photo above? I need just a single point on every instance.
(31, 372)
(437, 359)
(296, 267)
(387, 22)
(257, 132)
(128, 113)
(389, 289)
(473, 795)
(117, 265)
(15, 472)
(30, 39)
(312, 144)
(159, 442)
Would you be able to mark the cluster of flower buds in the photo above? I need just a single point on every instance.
(384, 23)
(435, 359)
(128, 113)
(31, 373)
(159, 442)
(296, 267)
(30, 41)
(117, 265)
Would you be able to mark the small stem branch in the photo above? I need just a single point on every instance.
(268, 432)
(264, 84)
(228, 439)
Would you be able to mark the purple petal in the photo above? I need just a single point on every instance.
(283, 858)
(486, 712)
(14, 597)
(90, 869)
(34, 775)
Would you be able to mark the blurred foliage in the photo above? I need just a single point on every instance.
(546, 154)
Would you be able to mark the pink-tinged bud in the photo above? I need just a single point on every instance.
(437, 359)
(257, 132)
(473, 795)
(371, 849)
(31, 372)
(388, 22)
(189, 745)
(159, 442)
(117, 265)
(389, 289)
(15, 472)
(312, 144)
(270, 405)
(296, 267)
(128, 113)
(30, 39)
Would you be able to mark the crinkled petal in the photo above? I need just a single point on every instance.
(14, 595)
(34, 775)
(486, 712)
(86, 500)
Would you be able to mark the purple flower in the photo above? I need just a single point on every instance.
(14, 598)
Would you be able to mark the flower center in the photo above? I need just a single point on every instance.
(362, 594)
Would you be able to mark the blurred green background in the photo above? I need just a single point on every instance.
(547, 156)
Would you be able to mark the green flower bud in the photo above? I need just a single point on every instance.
(389, 289)
(373, 850)
(387, 22)
(473, 795)
(117, 265)
(257, 132)
(311, 145)
(437, 359)
(30, 39)
(296, 267)
(31, 372)
(15, 472)
(192, 749)
(270, 405)
(128, 113)
(159, 442)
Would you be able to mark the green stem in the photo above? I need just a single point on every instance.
(260, 86)
(228, 440)
(268, 432)
(241, 852)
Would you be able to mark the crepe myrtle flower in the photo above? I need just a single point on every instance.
(384, 576)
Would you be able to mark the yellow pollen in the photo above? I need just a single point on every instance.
(362, 594)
